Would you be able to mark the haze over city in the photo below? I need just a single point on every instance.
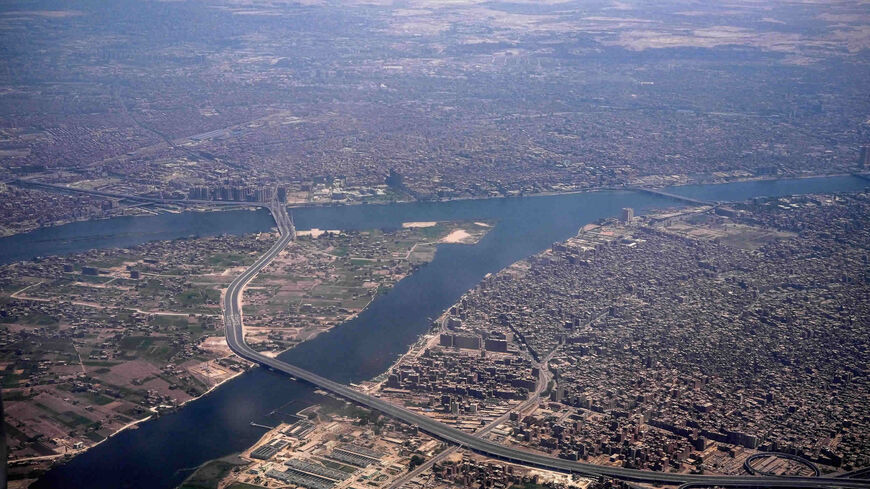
(422, 244)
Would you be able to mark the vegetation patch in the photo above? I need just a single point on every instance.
(208, 475)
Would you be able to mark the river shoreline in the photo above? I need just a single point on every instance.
(205, 207)
(425, 339)
(372, 342)
(62, 457)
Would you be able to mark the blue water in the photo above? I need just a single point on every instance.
(738, 191)
(123, 232)
(219, 423)
(130, 231)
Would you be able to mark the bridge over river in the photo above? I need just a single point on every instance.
(233, 319)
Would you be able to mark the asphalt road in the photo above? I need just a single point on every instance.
(235, 340)
(543, 380)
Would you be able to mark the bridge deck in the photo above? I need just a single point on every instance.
(236, 342)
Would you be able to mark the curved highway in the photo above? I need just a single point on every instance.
(235, 339)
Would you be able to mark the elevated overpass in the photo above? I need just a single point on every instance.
(131, 197)
(232, 310)
(662, 193)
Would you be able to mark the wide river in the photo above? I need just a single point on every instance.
(160, 453)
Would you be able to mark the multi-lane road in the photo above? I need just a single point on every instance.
(235, 339)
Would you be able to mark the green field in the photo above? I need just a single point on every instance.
(195, 296)
(228, 260)
(210, 473)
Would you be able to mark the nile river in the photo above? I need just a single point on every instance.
(159, 453)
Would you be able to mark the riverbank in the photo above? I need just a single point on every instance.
(366, 346)
(42, 464)
(365, 264)
(134, 211)
(411, 386)
(217, 207)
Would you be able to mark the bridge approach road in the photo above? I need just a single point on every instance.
(232, 306)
